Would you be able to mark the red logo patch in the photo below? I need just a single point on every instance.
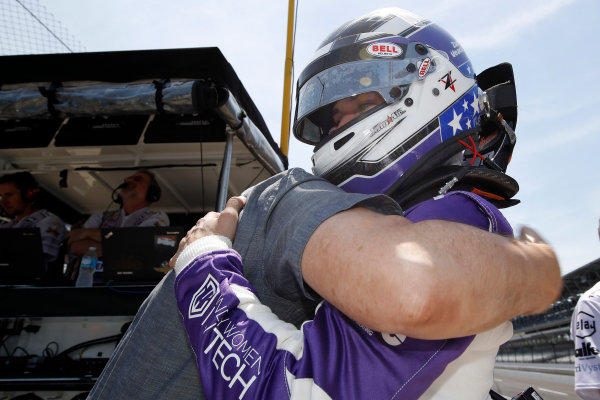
(384, 49)
(424, 67)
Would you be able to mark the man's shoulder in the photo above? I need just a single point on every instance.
(147, 217)
(149, 211)
(296, 189)
(592, 295)
(50, 223)
(45, 214)
(289, 176)
(103, 219)
(284, 182)
(161, 217)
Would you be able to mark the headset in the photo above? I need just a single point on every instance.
(154, 192)
(152, 195)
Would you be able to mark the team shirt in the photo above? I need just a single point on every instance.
(586, 337)
(117, 219)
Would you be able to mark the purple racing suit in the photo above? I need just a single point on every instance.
(244, 351)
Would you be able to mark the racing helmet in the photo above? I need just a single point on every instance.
(385, 91)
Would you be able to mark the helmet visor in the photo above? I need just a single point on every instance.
(390, 78)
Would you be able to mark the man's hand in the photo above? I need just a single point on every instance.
(213, 223)
(82, 234)
(529, 235)
(79, 241)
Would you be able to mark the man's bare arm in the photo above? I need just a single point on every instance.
(80, 240)
(432, 279)
(84, 233)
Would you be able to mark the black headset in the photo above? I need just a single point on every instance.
(154, 192)
(152, 195)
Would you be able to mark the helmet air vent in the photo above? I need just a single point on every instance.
(339, 143)
(420, 49)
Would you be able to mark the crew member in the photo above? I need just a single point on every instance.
(19, 194)
(586, 338)
(134, 195)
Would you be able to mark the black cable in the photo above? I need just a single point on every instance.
(3, 344)
(82, 350)
(293, 47)
(245, 163)
(4, 338)
(18, 348)
(44, 25)
(256, 177)
(47, 352)
(105, 212)
(107, 339)
(201, 165)
(295, 21)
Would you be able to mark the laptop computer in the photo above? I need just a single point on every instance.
(21, 257)
(138, 255)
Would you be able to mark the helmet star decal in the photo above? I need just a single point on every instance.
(447, 79)
(462, 115)
(455, 122)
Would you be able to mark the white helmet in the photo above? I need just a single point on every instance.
(386, 89)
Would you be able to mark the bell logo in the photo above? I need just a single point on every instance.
(424, 67)
(203, 297)
(384, 50)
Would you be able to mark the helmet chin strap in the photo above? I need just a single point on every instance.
(433, 175)
(494, 186)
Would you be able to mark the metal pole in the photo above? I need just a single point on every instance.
(225, 169)
(287, 81)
